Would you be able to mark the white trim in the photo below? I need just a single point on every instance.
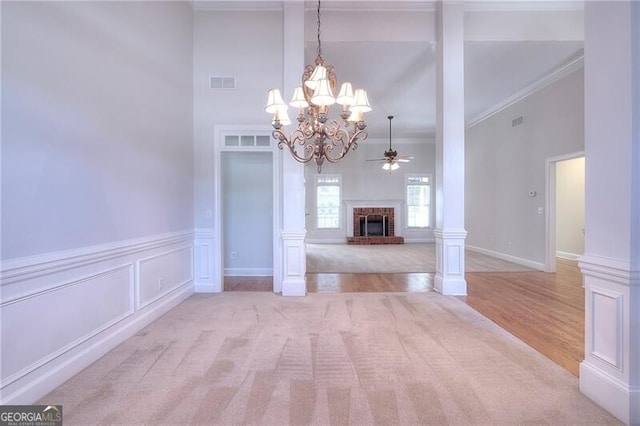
(19, 269)
(215, 284)
(38, 387)
(609, 392)
(38, 276)
(248, 272)
(614, 270)
(80, 340)
(567, 255)
(342, 240)
(392, 6)
(550, 251)
(573, 64)
(144, 260)
(524, 6)
(513, 259)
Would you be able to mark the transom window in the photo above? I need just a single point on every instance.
(418, 201)
(328, 200)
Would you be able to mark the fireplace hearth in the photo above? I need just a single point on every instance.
(374, 225)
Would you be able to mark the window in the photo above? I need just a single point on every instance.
(328, 202)
(418, 201)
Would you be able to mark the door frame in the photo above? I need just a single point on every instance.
(550, 214)
(218, 147)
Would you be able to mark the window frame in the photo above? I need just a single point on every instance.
(318, 183)
(429, 205)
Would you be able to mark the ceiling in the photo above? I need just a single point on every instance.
(389, 48)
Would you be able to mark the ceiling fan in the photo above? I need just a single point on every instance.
(391, 157)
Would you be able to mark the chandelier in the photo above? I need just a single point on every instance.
(320, 138)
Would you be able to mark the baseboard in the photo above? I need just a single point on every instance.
(612, 395)
(342, 240)
(248, 272)
(567, 255)
(426, 240)
(507, 257)
(39, 386)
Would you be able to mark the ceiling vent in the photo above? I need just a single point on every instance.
(516, 121)
(217, 82)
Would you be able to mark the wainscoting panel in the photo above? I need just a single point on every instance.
(164, 272)
(205, 265)
(44, 325)
(606, 332)
(62, 311)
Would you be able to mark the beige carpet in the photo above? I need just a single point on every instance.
(344, 258)
(326, 359)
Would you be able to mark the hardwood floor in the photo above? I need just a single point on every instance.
(546, 311)
(248, 283)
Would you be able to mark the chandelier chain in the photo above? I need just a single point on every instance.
(319, 42)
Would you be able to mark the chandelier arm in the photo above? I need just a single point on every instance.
(340, 139)
(298, 137)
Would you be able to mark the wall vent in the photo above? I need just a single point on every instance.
(218, 82)
(516, 121)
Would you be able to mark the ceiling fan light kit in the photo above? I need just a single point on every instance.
(321, 138)
(391, 159)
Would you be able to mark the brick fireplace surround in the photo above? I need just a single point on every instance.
(359, 212)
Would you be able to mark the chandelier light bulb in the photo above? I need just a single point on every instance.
(282, 116)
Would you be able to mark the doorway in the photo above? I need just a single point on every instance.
(247, 228)
(246, 210)
(565, 209)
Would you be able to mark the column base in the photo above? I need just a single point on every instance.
(614, 396)
(449, 279)
(294, 287)
(450, 286)
(295, 263)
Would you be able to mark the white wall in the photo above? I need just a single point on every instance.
(570, 208)
(97, 181)
(96, 102)
(246, 45)
(364, 180)
(504, 163)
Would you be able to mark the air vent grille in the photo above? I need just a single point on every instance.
(219, 82)
(517, 121)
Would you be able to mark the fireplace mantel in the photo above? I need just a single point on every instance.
(395, 204)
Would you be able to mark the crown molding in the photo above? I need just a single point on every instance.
(389, 6)
(523, 6)
(573, 64)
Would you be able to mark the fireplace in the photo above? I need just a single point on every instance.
(374, 225)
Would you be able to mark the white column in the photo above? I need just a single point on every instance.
(450, 233)
(293, 194)
(610, 373)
